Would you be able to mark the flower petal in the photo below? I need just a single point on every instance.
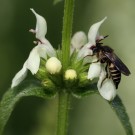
(20, 76)
(41, 50)
(33, 61)
(49, 49)
(90, 59)
(78, 40)
(94, 70)
(85, 51)
(93, 31)
(41, 26)
(106, 88)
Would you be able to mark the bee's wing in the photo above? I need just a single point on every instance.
(118, 63)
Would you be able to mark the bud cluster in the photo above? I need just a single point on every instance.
(53, 78)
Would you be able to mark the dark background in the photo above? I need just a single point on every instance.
(91, 115)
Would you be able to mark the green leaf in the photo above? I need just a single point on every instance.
(85, 91)
(57, 1)
(120, 110)
(12, 96)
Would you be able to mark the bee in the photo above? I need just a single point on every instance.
(114, 66)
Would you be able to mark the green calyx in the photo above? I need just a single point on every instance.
(72, 79)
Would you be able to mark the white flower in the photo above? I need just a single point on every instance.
(108, 90)
(40, 31)
(41, 27)
(33, 60)
(53, 65)
(94, 70)
(20, 76)
(106, 86)
(70, 74)
(43, 49)
(78, 40)
(93, 35)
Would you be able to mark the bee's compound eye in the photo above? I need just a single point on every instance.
(92, 47)
(95, 50)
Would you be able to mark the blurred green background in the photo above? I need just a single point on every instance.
(91, 115)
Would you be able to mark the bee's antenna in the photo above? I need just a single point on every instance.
(106, 36)
(103, 38)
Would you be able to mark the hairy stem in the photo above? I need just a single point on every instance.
(64, 97)
(67, 31)
(63, 110)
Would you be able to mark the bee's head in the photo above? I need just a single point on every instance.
(98, 47)
(94, 49)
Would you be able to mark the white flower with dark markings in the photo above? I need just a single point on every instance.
(105, 85)
(42, 50)
(93, 35)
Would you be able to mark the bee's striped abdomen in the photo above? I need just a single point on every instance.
(115, 74)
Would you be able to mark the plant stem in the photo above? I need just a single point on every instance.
(64, 97)
(67, 31)
(63, 110)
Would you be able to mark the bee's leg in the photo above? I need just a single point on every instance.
(106, 67)
(89, 55)
(101, 38)
(106, 74)
(96, 61)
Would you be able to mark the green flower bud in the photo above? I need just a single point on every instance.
(42, 73)
(83, 81)
(49, 85)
